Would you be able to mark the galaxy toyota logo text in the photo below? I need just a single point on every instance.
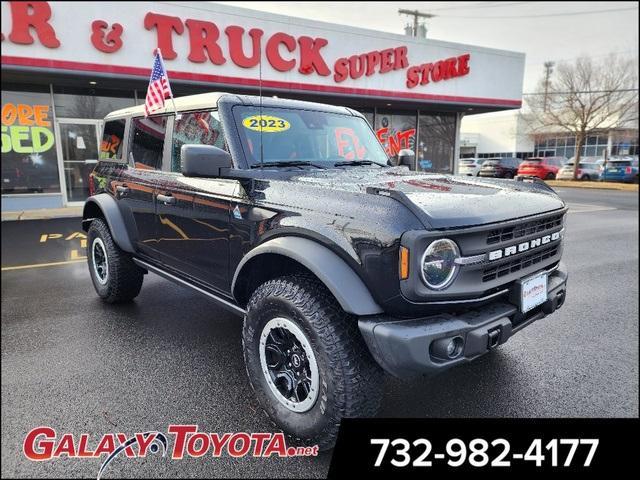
(524, 246)
(44, 443)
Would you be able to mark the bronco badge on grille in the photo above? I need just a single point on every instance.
(524, 246)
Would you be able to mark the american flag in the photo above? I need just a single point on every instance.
(159, 88)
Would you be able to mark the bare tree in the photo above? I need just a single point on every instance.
(583, 97)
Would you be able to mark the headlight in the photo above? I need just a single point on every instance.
(438, 264)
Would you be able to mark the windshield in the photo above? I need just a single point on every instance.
(292, 135)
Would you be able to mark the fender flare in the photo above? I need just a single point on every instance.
(345, 285)
(112, 214)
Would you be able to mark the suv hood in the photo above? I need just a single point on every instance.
(441, 201)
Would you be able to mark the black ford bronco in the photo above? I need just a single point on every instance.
(342, 265)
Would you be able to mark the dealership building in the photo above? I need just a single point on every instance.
(66, 65)
(506, 134)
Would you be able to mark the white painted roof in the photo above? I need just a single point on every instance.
(190, 102)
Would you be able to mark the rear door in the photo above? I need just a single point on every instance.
(136, 187)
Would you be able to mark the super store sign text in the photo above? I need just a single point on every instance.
(208, 43)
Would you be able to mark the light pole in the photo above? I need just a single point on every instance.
(416, 14)
(548, 67)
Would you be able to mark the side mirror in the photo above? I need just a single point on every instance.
(204, 161)
(406, 157)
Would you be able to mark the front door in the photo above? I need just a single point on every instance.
(193, 213)
(78, 151)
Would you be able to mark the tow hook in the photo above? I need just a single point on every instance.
(493, 336)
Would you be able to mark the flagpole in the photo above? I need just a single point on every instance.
(168, 83)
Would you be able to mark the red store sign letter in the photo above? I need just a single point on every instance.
(36, 15)
(106, 42)
(310, 56)
(236, 52)
(165, 26)
(204, 36)
(273, 51)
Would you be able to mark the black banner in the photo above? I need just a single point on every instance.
(391, 448)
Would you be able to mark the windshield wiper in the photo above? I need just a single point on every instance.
(354, 163)
(286, 163)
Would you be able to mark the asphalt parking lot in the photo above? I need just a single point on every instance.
(172, 356)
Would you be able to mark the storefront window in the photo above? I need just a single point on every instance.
(624, 143)
(368, 114)
(436, 143)
(89, 103)
(594, 145)
(396, 131)
(79, 146)
(29, 160)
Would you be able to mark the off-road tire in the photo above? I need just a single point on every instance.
(350, 380)
(124, 278)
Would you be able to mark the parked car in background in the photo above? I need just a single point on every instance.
(499, 167)
(545, 168)
(470, 166)
(621, 169)
(589, 168)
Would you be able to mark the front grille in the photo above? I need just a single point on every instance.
(524, 229)
(520, 263)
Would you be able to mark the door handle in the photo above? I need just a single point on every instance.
(122, 189)
(166, 199)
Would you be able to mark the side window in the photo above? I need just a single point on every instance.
(112, 139)
(195, 128)
(147, 142)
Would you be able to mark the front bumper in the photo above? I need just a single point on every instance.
(404, 348)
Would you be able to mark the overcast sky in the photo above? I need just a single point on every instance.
(543, 30)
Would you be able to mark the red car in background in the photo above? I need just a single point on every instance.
(545, 168)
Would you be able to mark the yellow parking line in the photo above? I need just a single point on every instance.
(38, 265)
